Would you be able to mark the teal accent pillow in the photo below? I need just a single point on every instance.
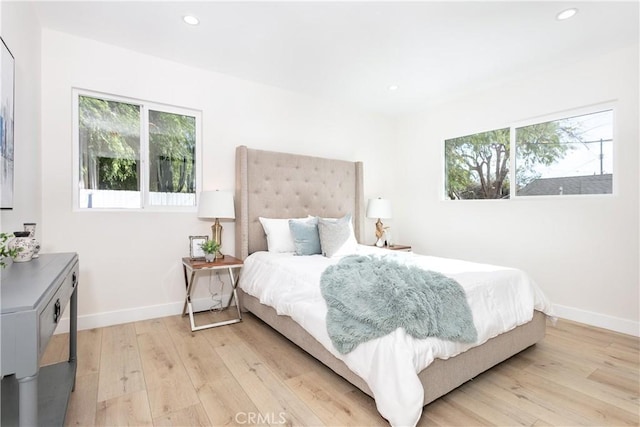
(306, 239)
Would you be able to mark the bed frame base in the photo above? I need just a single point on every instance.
(437, 379)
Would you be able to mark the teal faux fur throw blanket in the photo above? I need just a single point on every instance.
(368, 297)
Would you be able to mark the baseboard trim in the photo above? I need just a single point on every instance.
(612, 323)
(111, 318)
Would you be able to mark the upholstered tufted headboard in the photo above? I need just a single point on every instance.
(281, 185)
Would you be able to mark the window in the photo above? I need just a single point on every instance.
(135, 154)
(567, 156)
(477, 166)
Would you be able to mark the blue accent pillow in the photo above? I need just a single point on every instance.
(305, 236)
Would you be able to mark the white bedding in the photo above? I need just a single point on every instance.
(500, 298)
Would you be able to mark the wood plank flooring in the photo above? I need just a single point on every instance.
(158, 373)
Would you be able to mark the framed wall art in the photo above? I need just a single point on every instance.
(7, 93)
(195, 251)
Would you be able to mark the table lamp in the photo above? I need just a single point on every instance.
(379, 208)
(218, 205)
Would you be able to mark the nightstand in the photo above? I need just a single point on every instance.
(228, 263)
(401, 248)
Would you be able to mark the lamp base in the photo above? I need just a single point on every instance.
(379, 230)
(216, 236)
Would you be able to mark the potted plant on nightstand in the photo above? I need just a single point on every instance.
(210, 247)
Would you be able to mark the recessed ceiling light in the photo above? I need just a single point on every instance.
(191, 20)
(393, 87)
(566, 14)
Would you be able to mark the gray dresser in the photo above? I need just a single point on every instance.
(34, 295)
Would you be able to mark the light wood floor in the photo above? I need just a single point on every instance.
(157, 372)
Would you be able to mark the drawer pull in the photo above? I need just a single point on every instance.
(74, 279)
(56, 311)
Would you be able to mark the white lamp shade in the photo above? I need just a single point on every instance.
(216, 204)
(379, 208)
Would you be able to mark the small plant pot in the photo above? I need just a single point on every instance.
(209, 257)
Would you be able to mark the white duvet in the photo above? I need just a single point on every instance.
(500, 298)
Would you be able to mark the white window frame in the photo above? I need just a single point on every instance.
(580, 111)
(145, 106)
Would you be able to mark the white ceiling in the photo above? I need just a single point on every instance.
(353, 51)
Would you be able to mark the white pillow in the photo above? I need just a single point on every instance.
(279, 237)
(337, 237)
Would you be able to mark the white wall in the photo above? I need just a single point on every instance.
(583, 251)
(21, 33)
(130, 261)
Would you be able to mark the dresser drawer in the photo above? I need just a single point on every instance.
(52, 313)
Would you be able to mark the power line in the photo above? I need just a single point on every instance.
(597, 141)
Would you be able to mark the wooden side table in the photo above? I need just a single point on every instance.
(194, 266)
(401, 248)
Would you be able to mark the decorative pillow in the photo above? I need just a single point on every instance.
(336, 236)
(279, 238)
(306, 239)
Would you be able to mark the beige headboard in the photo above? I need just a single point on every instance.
(281, 185)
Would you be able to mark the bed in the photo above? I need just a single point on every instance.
(283, 185)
